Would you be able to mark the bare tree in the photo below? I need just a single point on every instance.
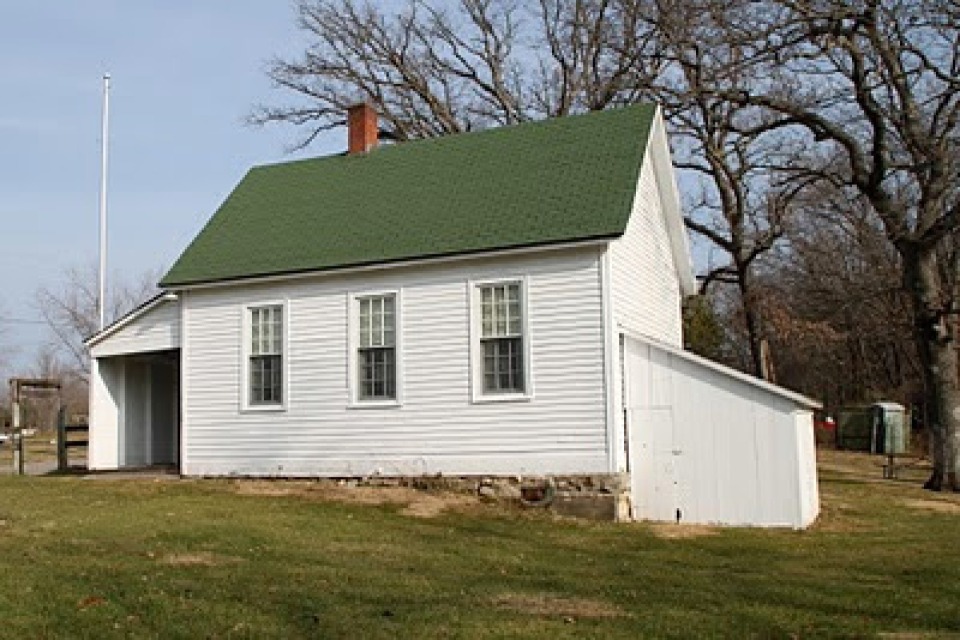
(72, 315)
(433, 68)
(843, 323)
(874, 87)
(727, 148)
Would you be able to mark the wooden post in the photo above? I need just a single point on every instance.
(62, 440)
(15, 428)
(20, 451)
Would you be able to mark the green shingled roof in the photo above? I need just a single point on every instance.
(540, 183)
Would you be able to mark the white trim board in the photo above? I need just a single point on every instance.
(658, 154)
(396, 264)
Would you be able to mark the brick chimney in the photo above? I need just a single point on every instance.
(361, 128)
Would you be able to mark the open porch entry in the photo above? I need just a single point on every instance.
(136, 401)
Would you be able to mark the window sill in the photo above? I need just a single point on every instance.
(263, 408)
(503, 397)
(375, 404)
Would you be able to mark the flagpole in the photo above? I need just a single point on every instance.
(101, 302)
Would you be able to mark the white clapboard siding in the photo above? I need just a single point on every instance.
(437, 429)
(710, 445)
(156, 328)
(645, 286)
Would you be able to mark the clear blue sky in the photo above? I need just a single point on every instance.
(184, 76)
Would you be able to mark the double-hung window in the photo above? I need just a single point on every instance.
(376, 355)
(502, 370)
(265, 356)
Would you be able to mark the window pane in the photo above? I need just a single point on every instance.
(503, 365)
(501, 312)
(516, 325)
(377, 374)
(265, 329)
(276, 380)
(499, 315)
(365, 375)
(376, 324)
(266, 360)
(390, 371)
(256, 381)
(388, 331)
(377, 321)
(364, 323)
(266, 379)
(376, 355)
(513, 310)
(488, 311)
(501, 338)
(277, 346)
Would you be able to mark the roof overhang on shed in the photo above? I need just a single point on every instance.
(800, 400)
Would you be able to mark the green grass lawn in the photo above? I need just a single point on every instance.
(146, 558)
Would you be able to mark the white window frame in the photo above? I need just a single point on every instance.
(246, 334)
(353, 343)
(477, 394)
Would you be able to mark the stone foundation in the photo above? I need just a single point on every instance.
(594, 496)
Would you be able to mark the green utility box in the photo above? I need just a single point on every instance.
(881, 428)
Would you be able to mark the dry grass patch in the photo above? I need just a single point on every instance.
(937, 506)
(868, 468)
(848, 462)
(670, 531)
(416, 503)
(547, 605)
(431, 505)
(201, 559)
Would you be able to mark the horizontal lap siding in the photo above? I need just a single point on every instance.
(645, 286)
(156, 330)
(438, 429)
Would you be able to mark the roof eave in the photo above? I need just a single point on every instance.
(391, 264)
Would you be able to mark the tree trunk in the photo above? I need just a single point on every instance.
(938, 357)
(751, 316)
